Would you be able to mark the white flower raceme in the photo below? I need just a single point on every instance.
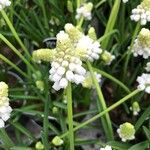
(4, 3)
(88, 83)
(66, 66)
(106, 148)
(142, 12)
(126, 131)
(144, 82)
(147, 67)
(142, 44)
(84, 11)
(89, 47)
(5, 109)
(107, 57)
(124, 1)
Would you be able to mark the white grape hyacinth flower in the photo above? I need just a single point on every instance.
(89, 47)
(106, 148)
(141, 45)
(4, 3)
(66, 66)
(84, 11)
(5, 109)
(124, 1)
(147, 68)
(142, 12)
(144, 83)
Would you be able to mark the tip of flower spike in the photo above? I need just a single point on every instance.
(39, 146)
(3, 89)
(126, 131)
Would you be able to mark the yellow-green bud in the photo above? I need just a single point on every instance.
(40, 85)
(57, 141)
(107, 57)
(70, 6)
(135, 108)
(55, 110)
(126, 131)
(3, 89)
(42, 55)
(92, 33)
(39, 146)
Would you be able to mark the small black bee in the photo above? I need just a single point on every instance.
(50, 42)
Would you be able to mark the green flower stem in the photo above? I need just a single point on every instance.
(100, 3)
(14, 66)
(45, 121)
(15, 33)
(129, 51)
(17, 52)
(70, 116)
(103, 112)
(113, 79)
(45, 16)
(106, 119)
(5, 138)
(111, 22)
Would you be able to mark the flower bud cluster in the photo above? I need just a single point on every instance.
(142, 44)
(5, 109)
(142, 12)
(84, 11)
(126, 131)
(4, 3)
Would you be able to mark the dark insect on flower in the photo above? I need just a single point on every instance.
(50, 42)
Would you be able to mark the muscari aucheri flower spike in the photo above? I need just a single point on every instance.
(5, 109)
(126, 131)
(141, 45)
(142, 12)
(72, 48)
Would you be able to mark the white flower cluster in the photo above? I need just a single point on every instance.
(88, 82)
(84, 11)
(4, 3)
(144, 82)
(142, 44)
(106, 148)
(147, 67)
(90, 47)
(124, 1)
(66, 65)
(5, 109)
(126, 131)
(72, 47)
(142, 12)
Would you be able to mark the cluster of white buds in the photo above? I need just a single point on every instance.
(126, 131)
(5, 109)
(135, 108)
(144, 83)
(107, 57)
(124, 1)
(106, 148)
(88, 82)
(90, 48)
(142, 12)
(4, 3)
(147, 67)
(142, 44)
(67, 66)
(84, 11)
